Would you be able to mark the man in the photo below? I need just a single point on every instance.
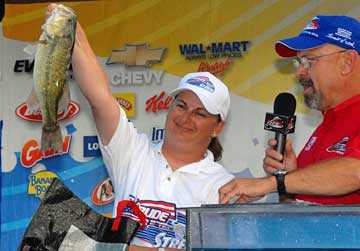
(327, 171)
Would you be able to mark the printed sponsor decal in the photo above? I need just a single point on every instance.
(39, 182)
(31, 152)
(291, 126)
(157, 134)
(203, 82)
(127, 102)
(217, 68)
(342, 36)
(275, 122)
(279, 123)
(313, 25)
(24, 65)
(24, 113)
(103, 193)
(166, 225)
(27, 65)
(161, 240)
(311, 143)
(339, 147)
(215, 50)
(158, 103)
(136, 55)
(135, 78)
(91, 147)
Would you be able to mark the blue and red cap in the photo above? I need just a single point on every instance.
(342, 31)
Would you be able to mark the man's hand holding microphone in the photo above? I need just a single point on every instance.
(278, 161)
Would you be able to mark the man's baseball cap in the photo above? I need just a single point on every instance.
(211, 91)
(342, 31)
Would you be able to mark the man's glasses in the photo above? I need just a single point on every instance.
(306, 61)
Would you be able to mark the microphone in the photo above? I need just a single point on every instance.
(282, 121)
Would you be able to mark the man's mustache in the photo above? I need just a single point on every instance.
(306, 82)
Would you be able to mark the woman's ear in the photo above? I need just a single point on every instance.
(219, 127)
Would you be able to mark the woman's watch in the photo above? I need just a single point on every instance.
(280, 180)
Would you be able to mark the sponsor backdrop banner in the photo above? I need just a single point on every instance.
(145, 47)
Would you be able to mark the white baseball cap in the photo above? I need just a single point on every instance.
(211, 91)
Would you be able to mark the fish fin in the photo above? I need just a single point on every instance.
(51, 138)
(32, 101)
(65, 98)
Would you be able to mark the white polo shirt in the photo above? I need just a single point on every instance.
(139, 172)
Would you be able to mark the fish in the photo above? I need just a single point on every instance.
(51, 91)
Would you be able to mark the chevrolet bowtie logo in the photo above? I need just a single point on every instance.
(136, 55)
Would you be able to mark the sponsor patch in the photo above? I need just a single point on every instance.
(127, 102)
(39, 182)
(24, 113)
(339, 147)
(203, 82)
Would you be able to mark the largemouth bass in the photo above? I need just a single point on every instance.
(52, 60)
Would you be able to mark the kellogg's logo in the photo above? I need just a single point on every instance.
(158, 103)
(24, 113)
(203, 82)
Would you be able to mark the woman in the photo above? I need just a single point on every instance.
(180, 171)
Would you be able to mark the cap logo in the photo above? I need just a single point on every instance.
(313, 25)
(343, 33)
(203, 82)
(342, 36)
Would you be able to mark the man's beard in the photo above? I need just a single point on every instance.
(313, 100)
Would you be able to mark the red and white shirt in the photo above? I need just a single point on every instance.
(337, 136)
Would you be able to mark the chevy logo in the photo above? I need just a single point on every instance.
(136, 55)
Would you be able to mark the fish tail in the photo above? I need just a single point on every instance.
(51, 138)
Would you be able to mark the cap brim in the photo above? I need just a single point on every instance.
(290, 46)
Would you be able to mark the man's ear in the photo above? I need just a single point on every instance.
(350, 58)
